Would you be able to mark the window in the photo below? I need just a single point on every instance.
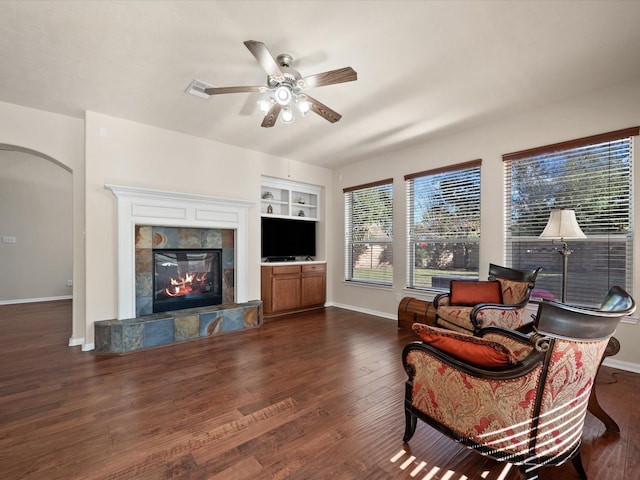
(443, 208)
(592, 176)
(368, 217)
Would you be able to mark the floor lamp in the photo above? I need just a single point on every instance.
(562, 225)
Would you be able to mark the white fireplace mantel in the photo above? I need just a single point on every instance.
(142, 206)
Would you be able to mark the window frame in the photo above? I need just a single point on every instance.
(473, 167)
(386, 241)
(586, 152)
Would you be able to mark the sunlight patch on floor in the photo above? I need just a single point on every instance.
(421, 466)
(416, 470)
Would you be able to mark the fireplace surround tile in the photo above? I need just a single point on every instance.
(133, 335)
(143, 236)
(149, 237)
(251, 317)
(186, 327)
(159, 332)
(232, 320)
(210, 323)
(149, 331)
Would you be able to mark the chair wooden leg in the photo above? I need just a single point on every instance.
(598, 412)
(410, 425)
(613, 347)
(577, 464)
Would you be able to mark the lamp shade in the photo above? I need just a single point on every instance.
(562, 224)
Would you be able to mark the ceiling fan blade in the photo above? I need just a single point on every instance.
(341, 75)
(324, 111)
(220, 90)
(271, 116)
(264, 58)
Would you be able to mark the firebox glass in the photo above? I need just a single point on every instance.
(186, 279)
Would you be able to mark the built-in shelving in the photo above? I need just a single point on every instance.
(286, 199)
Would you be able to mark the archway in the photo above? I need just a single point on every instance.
(36, 225)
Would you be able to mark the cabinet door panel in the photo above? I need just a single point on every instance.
(313, 290)
(285, 291)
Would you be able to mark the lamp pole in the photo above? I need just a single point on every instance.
(562, 224)
(565, 252)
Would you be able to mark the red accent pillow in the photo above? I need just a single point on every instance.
(467, 348)
(468, 293)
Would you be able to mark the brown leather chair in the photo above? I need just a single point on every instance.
(509, 311)
(523, 403)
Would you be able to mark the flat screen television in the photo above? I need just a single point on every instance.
(283, 238)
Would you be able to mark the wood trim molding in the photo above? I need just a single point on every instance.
(386, 181)
(448, 168)
(579, 142)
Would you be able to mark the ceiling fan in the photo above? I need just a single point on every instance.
(285, 87)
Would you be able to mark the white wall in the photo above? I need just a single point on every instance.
(126, 153)
(36, 209)
(61, 140)
(600, 112)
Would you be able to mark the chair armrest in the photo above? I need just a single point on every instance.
(518, 342)
(497, 331)
(497, 306)
(487, 314)
(440, 300)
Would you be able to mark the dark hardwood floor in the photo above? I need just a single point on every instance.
(310, 396)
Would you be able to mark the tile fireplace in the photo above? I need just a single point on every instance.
(148, 219)
(178, 268)
(178, 243)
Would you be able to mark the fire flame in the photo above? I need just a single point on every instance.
(184, 285)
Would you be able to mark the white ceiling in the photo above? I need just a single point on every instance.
(425, 68)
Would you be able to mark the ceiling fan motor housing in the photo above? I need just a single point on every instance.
(284, 59)
(290, 78)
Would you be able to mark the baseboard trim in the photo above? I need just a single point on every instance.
(365, 310)
(74, 342)
(87, 347)
(35, 300)
(620, 365)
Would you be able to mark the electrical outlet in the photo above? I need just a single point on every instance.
(69, 283)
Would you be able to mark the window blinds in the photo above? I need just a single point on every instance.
(443, 221)
(592, 176)
(369, 233)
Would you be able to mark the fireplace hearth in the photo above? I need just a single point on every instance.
(186, 279)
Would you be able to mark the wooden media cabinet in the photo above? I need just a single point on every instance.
(289, 287)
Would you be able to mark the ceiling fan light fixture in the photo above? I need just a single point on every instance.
(303, 104)
(283, 95)
(287, 115)
(265, 104)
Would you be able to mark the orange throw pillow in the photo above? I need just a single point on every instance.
(467, 293)
(467, 348)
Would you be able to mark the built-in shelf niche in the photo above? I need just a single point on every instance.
(286, 199)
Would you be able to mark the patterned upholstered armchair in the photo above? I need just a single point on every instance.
(513, 397)
(501, 301)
